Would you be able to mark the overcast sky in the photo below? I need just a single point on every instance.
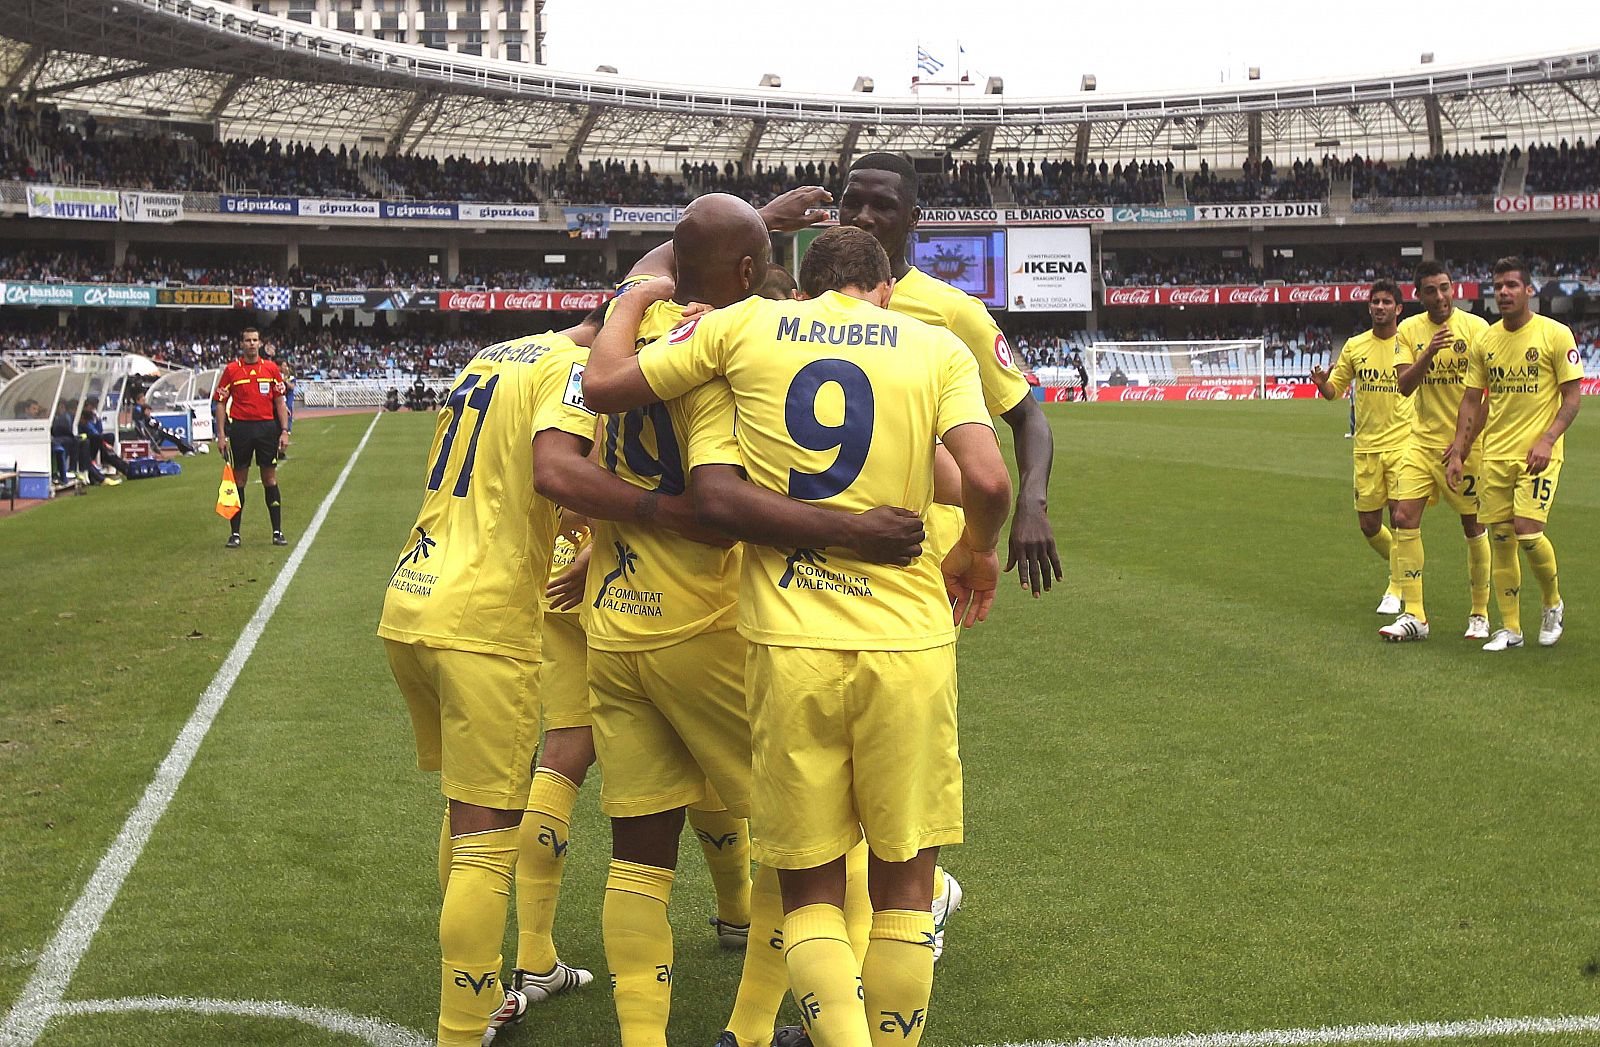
(823, 45)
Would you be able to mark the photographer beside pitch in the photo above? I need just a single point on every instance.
(252, 421)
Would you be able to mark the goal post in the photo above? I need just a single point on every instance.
(1232, 369)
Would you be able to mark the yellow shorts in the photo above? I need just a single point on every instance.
(1422, 477)
(1377, 478)
(476, 717)
(850, 743)
(563, 675)
(670, 720)
(1508, 490)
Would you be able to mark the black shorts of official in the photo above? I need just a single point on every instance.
(248, 439)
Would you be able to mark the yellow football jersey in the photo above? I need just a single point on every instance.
(1523, 371)
(935, 302)
(1437, 401)
(473, 571)
(647, 586)
(839, 403)
(1383, 416)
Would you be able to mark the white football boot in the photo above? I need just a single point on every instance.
(1551, 623)
(942, 908)
(1503, 640)
(563, 977)
(1391, 604)
(510, 1013)
(1404, 629)
(1477, 627)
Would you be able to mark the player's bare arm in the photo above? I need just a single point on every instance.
(797, 209)
(946, 477)
(563, 473)
(219, 420)
(729, 503)
(612, 380)
(972, 567)
(1411, 375)
(1032, 549)
(1468, 421)
(1539, 454)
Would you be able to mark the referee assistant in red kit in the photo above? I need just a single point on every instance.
(252, 422)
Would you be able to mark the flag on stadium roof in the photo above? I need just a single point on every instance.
(926, 62)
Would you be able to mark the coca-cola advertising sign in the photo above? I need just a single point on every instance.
(1234, 391)
(523, 301)
(1269, 294)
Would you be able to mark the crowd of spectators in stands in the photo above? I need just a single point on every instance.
(37, 143)
(1449, 175)
(1128, 269)
(1563, 168)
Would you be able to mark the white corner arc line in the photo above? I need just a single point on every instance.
(59, 960)
(375, 1031)
(1338, 1034)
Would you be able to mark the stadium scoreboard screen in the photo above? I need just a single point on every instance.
(973, 260)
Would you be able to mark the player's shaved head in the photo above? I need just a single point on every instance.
(722, 248)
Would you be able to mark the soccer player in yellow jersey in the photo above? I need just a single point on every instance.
(880, 196)
(1531, 368)
(852, 664)
(1383, 421)
(666, 667)
(461, 625)
(1431, 368)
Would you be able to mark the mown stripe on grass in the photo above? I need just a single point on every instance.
(1403, 1033)
(59, 960)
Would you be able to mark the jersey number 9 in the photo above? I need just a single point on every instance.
(852, 436)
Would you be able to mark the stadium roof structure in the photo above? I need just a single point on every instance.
(247, 74)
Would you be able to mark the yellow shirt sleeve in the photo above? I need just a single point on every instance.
(1344, 370)
(560, 397)
(961, 396)
(1568, 364)
(690, 354)
(706, 417)
(1477, 365)
(1003, 385)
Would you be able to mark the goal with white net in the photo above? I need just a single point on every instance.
(1224, 370)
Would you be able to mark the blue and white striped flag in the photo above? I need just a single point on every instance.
(926, 62)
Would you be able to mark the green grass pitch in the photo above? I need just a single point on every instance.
(1201, 794)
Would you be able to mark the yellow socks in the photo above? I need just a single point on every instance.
(898, 977)
(765, 978)
(1542, 562)
(1507, 573)
(1478, 572)
(822, 976)
(1405, 569)
(472, 924)
(541, 857)
(638, 943)
(1383, 544)
(726, 843)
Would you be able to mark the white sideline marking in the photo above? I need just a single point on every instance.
(1335, 1034)
(59, 960)
(375, 1031)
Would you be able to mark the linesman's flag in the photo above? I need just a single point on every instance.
(228, 504)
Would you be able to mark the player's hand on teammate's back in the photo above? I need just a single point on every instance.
(970, 579)
(655, 289)
(566, 589)
(797, 209)
(888, 534)
(1032, 552)
(694, 309)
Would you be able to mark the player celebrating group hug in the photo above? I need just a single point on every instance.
(1448, 406)
(767, 616)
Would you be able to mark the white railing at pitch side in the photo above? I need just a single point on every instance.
(361, 392)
